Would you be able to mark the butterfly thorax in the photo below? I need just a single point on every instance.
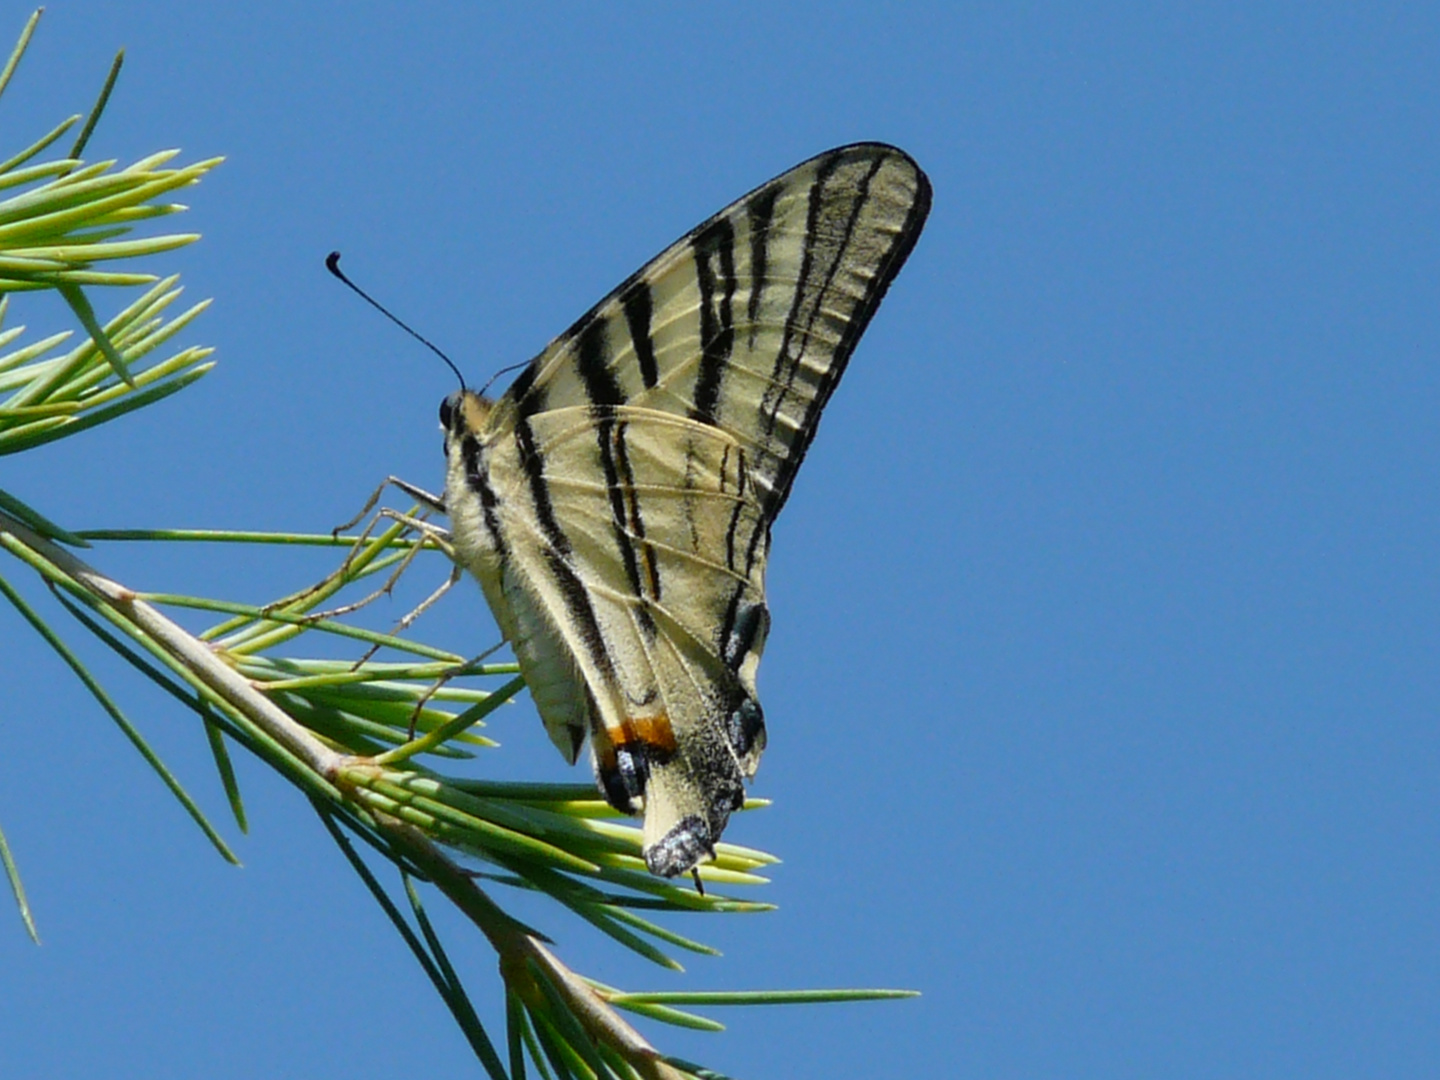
(464, 415)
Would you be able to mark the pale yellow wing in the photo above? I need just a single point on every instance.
(660, 576)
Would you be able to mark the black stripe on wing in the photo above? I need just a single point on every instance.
(477, 478)
(714, 249)
(628, 525)
(558, 553)
(761, 209)
(639, 306)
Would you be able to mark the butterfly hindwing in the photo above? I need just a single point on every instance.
(659, 557)
(616, 502)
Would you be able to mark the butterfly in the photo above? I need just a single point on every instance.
(615, 503)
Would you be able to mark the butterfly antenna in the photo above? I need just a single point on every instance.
(502, 371)
(332, 263)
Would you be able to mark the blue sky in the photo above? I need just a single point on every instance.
(1102, 685)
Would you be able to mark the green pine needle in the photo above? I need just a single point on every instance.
(12, 872)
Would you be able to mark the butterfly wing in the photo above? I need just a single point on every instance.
(616, 503)
(747, 323)
(639, 608)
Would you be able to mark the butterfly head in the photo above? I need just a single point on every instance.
(464, 412)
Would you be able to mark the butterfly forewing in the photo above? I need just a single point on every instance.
(749, 320)
(616, 503)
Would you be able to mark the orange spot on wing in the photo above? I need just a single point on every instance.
(648, 731)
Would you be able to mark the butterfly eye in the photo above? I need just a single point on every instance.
(447, 410)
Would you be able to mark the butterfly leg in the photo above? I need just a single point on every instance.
(330, 583)
(439, 537)
(436, 503)
(415, 613)
(434, 534)
(431, 535)
(432, 502)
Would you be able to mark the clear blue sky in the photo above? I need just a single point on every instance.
(1102, 687)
